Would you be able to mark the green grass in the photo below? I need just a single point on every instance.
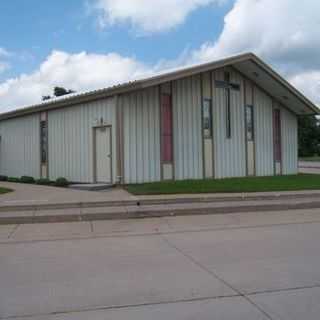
(254, 184)
(5, 190)
(310, 159)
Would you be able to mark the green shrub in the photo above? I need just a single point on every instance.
(3, 178)
(44, 182)
(61, 182)
(13, 179)
(27, 179)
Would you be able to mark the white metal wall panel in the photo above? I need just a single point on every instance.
(289, 132)
(188, 161)
(71, 139)
(20, 146)
(141, 112)
(230, 156)
(263, 133)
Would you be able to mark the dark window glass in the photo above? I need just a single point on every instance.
(44, 141)
(277, 134)
(250, 123)
(228, 105)
(166, 129)
(207, 118)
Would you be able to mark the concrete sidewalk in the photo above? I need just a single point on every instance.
(311, 167)
(160, 210)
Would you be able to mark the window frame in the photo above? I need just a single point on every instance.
(44, 141)
(227, 79)
(210, 129)
(251, 124)
(166, 129)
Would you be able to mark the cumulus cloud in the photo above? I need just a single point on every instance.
(4, 52)
(309, 83)
(285, 33)
(147, 15)
(80, 72)
(4, 65)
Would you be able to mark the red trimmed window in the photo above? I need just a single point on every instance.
(166, 129)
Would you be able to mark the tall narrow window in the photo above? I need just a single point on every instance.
(228, 105)
(249, 123)
(44, 141)
(277, 134)
(166, 129)
(207, 118)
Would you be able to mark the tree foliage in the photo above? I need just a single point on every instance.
(309, 136)
(58, 92)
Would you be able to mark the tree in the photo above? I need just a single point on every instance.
(58, 92)
(309, 136)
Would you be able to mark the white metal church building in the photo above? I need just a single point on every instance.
(230, 118)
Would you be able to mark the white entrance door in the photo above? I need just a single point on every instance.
(103, 154)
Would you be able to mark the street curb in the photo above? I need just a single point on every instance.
(137, 213)
(146, 202)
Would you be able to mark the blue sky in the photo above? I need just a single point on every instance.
(89, 44)
(72, 27)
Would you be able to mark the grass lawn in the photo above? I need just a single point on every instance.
(310, 159)
(4, 190)
(254, 184)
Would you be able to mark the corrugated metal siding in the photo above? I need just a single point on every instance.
(188, 162)
(230, 156)
(141, 112)
(263, 133)
(71, 139)
(20, 146)
(289, 131)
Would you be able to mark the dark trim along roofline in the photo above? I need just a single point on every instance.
(75, 99)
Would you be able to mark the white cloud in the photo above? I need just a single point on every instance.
(80, 72)
(4, 65)
(4, 52)
(309, 83)
(283, 32)
(148, 15)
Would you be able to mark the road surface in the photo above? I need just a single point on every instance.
(235, 266)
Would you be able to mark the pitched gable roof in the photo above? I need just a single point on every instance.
(248, 64)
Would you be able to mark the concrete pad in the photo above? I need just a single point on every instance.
(258, 259)
(19, 213)
(239, 220)
(98, 210)
(59, 276)
(35, 194)
(58, 212)
(310, 170)
(291, 305)
(5, 231)
(51, 231)
(233, 308)
(131, 226)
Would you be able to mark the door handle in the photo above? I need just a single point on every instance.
(109, 156)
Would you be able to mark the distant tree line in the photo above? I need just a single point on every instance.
(58, 92)
(309, 136)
